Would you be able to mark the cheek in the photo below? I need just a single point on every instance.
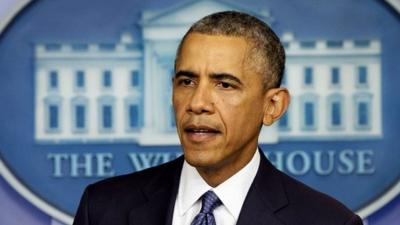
(176, 99)
(231, 101)
(241, 104)
(241, 113)
(178, 103)
(180, 95)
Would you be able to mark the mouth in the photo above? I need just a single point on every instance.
(201, 133)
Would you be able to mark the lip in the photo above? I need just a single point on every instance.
(201, 133)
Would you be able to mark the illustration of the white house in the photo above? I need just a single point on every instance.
(121, 92)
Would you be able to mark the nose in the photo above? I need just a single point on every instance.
(201, 100)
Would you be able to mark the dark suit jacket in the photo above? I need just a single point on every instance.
(148, 198)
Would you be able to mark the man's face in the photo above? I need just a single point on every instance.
(218, 101)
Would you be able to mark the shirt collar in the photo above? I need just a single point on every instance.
(232, 192)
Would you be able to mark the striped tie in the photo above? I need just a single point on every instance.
(210, 201)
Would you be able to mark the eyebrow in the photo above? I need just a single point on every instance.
(215, 76)
(225, 76)
(185, 73)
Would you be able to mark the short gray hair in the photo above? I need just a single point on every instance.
(266, 56)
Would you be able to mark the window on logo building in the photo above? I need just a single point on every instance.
(132, 113)
(362, 76)
(53, 80)
(335, 76)
(309, 111)
(309, 114)
(336, 119)
(107, 116)
(107, 79)
(283, 122)
(308, 76)
(133, 116)
(106, 113)
(335, 111)
(80, 79)
(135, 78)
(363, 111)
(79, 114)
(307, 44)
(52, 116)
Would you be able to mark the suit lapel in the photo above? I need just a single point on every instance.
(160, 194)
(265, 197)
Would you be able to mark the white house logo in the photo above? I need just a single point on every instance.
(101, 106)
(114, 92)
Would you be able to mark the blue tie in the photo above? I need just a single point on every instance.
(210, 201)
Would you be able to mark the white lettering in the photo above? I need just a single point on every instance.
(318, 161)
(346, 162)
(141, 161)
(303, 160)
(57, 163)
(104, 164)
(81, 165)
(81, 162)
(324, 163)
(365, 165)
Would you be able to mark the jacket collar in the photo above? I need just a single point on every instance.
(265, 197)
(160, 194)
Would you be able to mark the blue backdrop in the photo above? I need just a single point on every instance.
(85, 94)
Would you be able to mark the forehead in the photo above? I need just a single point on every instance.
(217, 52)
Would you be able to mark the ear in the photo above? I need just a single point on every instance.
(276, 102)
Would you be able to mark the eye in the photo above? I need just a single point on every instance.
(225, 85)
(186, 82)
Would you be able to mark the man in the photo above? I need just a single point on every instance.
(228, 71)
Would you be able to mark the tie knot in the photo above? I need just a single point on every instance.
(210, 201)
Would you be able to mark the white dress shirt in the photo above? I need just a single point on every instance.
(232, 193)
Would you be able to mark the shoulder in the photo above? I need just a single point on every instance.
(112, 199)
(125, 191)
(136, 180)
(296, 203)
(314, 207)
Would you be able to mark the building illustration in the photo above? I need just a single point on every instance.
(121, 92)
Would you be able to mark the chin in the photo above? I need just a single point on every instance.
(199, 159)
